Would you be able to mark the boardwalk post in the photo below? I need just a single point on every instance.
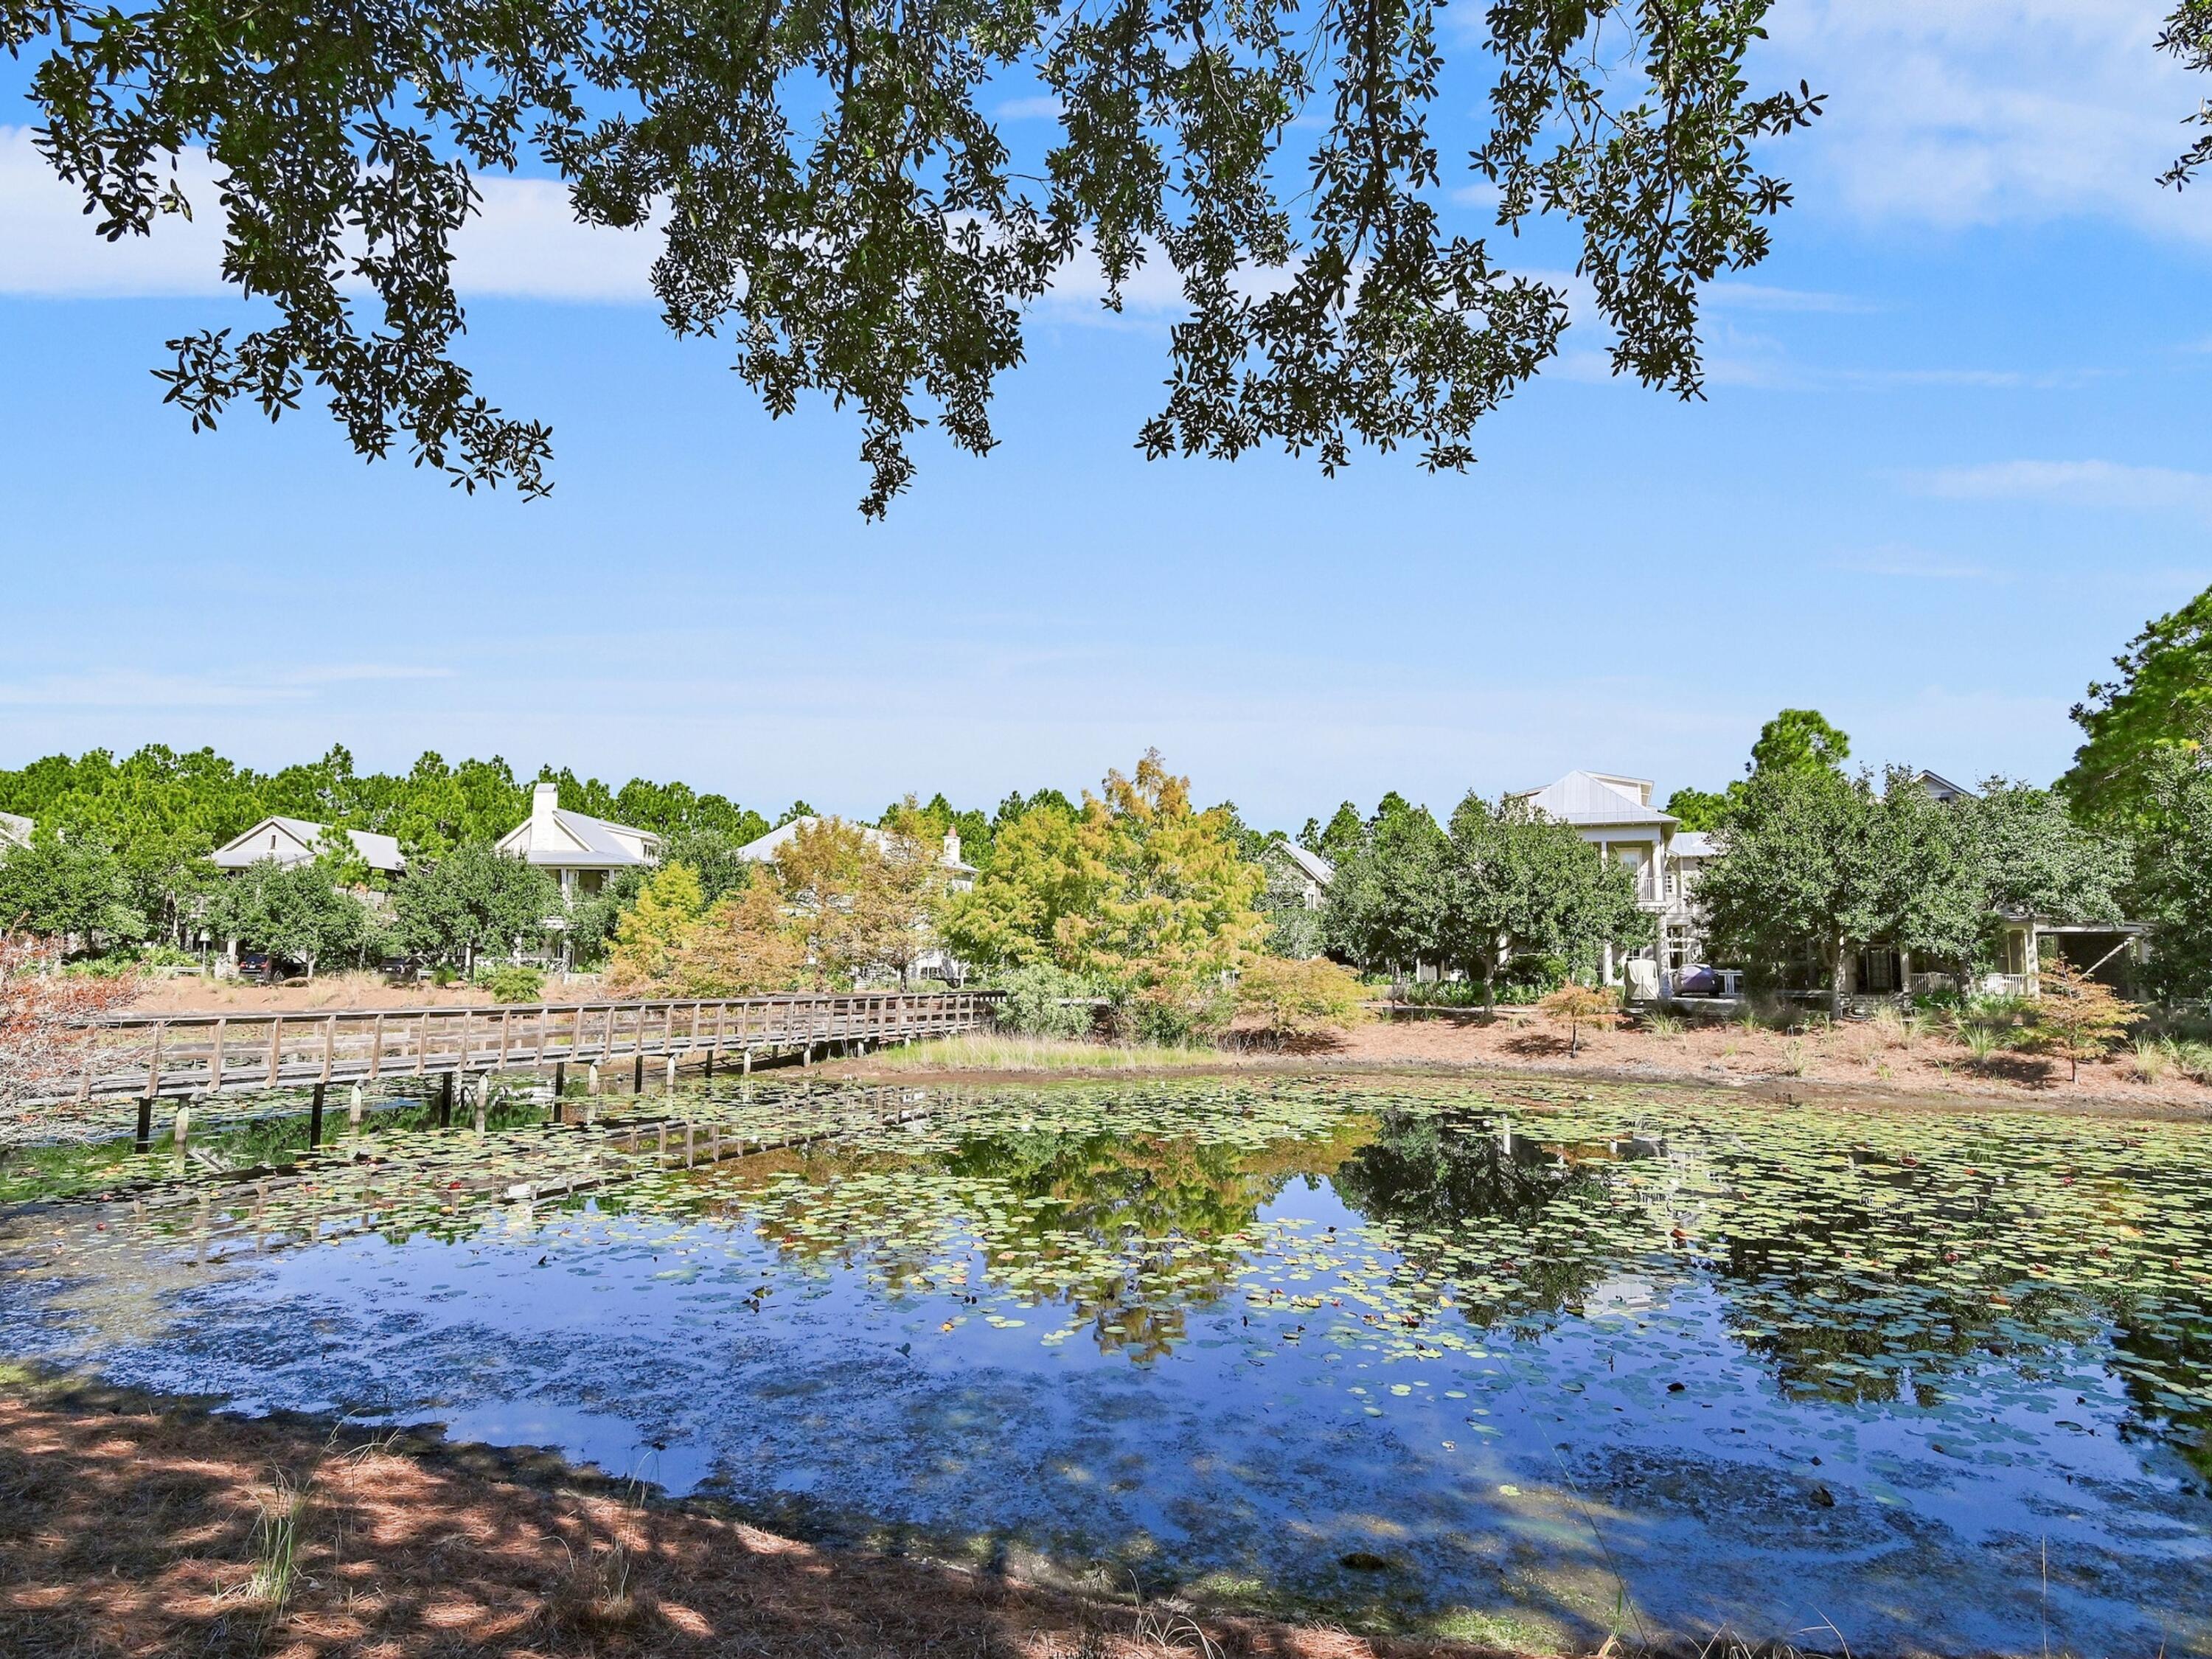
(637, 1065)
(145, 1139)
(671, 1074)
(481, 1089)
(446, 1102)
(592, 1082)
(181, 1135)
(748, 1068)
(560, 1089)
(353, 1111)
(315, 1117)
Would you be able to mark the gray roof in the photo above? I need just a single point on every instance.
(1942, 787)
(1693, 844)
(15, 829)
(1317, 868)
(293, 841)
(586, 843)
(1585, 798)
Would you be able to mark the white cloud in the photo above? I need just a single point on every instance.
(525, 244)
(1043, 107)
(1983, 112)
(1913, 563)
(1756, 296)
(2107, 484)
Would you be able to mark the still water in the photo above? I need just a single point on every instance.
(1519, 1363)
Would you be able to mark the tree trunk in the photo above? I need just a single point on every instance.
(1837, 975)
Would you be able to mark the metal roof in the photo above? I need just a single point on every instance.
(1587, 798)
(577, 840)
(294, 841)
(1318, 868)
(15, 829)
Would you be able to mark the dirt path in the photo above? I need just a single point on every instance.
(129, 1526)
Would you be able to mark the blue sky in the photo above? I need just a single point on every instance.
(1953, 456)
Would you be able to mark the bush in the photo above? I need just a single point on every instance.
(1036, 1002)
(513, 983)
(1300, 999)
(1539, 973)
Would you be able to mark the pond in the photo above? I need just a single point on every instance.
(1514, 1362)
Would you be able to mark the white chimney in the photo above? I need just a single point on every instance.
(952, 847)
(544, 801)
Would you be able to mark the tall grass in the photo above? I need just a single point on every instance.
(276, 1544)
(2152, 1058)
(985, 1052)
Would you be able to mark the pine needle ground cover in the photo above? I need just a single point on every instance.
(1528, 1364)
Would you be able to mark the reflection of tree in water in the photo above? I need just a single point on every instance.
(1164, 1209)
(1859, 1279)
(1509, 1247)
(2170, 1345)
(1424, 1171)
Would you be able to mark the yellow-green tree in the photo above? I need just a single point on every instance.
(2077, 1015)
(652, 935)
(862, 900)
(1136, 889)
(743, 946)
(1299, 998)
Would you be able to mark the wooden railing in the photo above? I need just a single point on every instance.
(149, 1056)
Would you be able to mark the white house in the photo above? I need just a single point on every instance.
(934, 963)
(295, 840)
(1615, 815)
(1309, 871)
(575, 848)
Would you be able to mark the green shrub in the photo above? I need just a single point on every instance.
(1175, 1018)
(1300, 999)
(513, 983)
(1036, 1002)
(1536, 971)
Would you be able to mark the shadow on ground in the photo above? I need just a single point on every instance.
(128, 1529)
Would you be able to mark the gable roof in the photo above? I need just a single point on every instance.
(578, 841)
(15, 830)
(1596, 797)
(1317, 869)
(1942, 787)
(294, 841)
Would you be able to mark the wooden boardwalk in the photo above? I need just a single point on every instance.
(147, 1057)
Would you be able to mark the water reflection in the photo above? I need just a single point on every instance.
(1237, 1327)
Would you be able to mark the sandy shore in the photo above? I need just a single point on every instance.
(128, 1526)
(1853, 1062)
